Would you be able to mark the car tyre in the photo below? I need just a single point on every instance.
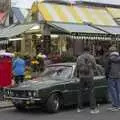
(53, 103)
(20, 107)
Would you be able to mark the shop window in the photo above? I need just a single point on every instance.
(18, 46)
(3, 46)
(11, 19)
(4, 5)
(34, 17)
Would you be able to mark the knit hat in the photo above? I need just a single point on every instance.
(113, 49)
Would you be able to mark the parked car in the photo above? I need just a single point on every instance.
(57, 86)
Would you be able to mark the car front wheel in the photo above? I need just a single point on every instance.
(53, 103)
(20, 107)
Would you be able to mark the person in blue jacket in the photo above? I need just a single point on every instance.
(19, 69)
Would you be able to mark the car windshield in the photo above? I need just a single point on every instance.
(58, 72)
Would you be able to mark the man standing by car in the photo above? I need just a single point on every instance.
(113, 77)
(18, 69)
(85, 71)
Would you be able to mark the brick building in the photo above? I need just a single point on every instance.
(4, 5)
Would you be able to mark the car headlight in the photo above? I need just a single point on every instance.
(8, 92)
(35, 94)
(30, 94)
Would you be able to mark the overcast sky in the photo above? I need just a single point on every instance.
(28, 3)
(22, 3)
(106, 1)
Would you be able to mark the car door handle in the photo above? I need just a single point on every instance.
(69, 82)
(66, 91)
(99, 77)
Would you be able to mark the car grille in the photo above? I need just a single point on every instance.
(22, 94)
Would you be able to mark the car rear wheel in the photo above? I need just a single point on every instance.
(53, 103)
(20, 107)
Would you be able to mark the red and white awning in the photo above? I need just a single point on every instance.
(2, 17)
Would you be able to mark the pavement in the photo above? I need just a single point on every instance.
(7, 111)
(66, 114)
(5, 104)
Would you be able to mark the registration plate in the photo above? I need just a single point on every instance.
(27, 102)
(17, 101)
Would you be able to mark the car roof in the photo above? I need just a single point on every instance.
(64, 64)
(68, 64)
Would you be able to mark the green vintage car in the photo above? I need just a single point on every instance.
(57, 86)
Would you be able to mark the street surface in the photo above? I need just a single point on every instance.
(66, 114)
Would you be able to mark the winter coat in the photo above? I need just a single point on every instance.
(80, 61)
(113, 67)
(18, 66)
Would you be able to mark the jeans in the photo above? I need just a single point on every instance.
(19, 79)
(114, 90)
(86, 82)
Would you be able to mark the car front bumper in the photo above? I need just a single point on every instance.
(24, 99)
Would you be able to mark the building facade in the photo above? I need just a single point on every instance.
(5, 5)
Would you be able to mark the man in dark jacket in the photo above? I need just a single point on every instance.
(86, 65)
(113, 77)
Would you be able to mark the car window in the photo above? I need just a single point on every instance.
(58, 72)
(101, 70)
(96, 73)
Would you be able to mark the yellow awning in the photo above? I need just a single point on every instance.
(34, 8)
(96, 15)
(59, 13)
(75, 14)
(115, 12)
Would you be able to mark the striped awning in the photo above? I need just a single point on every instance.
(76, 28)
(115, 12)
(2, 42)
(15, 30)
(2, 16)
(115, 30)
(75, 14)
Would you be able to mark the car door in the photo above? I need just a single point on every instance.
(70, 91)
(71, 87)
(100, 83)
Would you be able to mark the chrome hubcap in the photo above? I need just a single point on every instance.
(56, 104)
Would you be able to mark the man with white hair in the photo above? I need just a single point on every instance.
(113, 77)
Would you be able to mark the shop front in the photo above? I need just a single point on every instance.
(77, 26)
(63, 28)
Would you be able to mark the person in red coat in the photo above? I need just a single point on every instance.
(5, 71)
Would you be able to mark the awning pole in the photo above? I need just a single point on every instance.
(60, 45)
